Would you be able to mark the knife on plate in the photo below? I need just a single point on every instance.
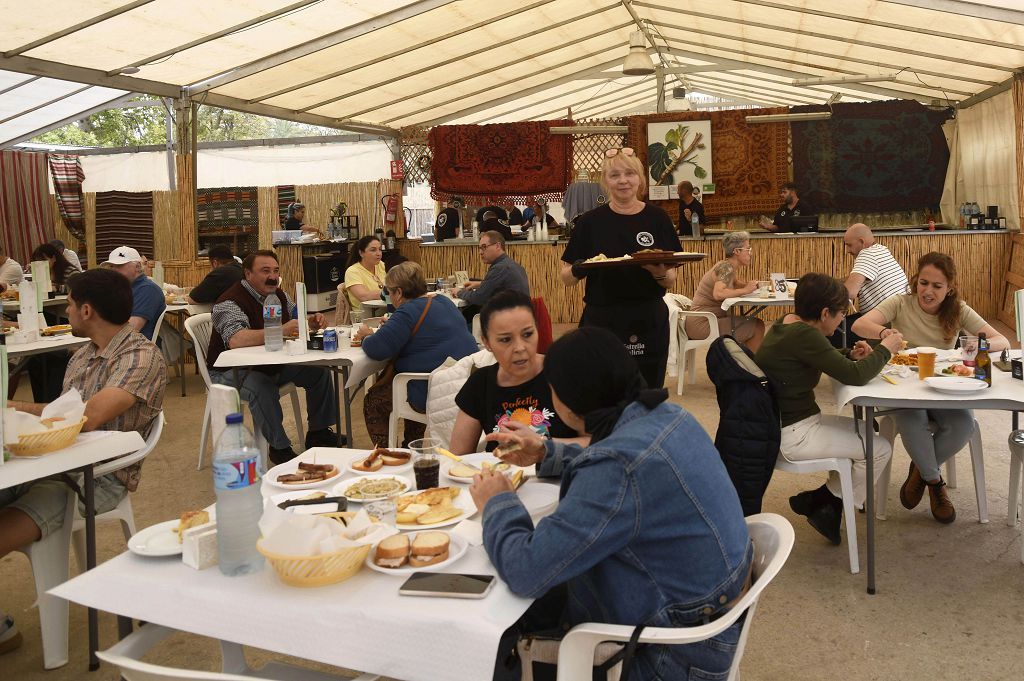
(342, 502)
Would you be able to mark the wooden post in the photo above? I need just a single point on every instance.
(185, 121)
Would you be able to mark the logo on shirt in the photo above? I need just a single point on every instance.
(441, 219)
(527, 411)
(645, 239)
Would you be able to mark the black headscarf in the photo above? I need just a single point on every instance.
(593, 375)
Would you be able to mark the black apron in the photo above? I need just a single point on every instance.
(642, 326)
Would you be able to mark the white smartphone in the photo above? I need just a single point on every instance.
(447, 585)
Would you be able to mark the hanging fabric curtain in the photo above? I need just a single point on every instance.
(25, 216)
(68, 176)
(124, 219)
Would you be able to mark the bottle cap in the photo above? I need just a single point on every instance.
(236, 417)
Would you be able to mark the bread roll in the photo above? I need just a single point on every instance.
(392, 552)
(429, 548)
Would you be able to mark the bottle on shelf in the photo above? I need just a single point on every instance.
(236, 481)
(272, 336)
(982, 362)
(694, 223)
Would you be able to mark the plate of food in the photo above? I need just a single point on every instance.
(427, 550)
(164, 539)
(382, 460)
(372, 487)
(435, 507)
(955, 385)
(57, 330)
(958, 370)
(471, 464)
(297, 474)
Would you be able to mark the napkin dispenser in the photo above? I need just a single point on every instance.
(1017, 369)
(315, 342)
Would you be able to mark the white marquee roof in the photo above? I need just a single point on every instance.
(365, 65)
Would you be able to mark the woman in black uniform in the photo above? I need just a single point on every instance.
(626, 300)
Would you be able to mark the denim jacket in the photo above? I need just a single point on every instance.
(648, 530)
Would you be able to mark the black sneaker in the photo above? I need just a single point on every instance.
(826, 519)
(325, 437)
(802, 503)
(280, 456)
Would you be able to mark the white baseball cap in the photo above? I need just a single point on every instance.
(123, 255)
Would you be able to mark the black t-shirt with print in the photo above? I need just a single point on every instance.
(784, 215)
(603, 231)
(448, 224)
(492, 405)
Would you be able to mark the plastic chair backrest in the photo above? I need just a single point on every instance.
(200, 328)
(544, 332)
(128, 459)
(342, 316)
(156, 327)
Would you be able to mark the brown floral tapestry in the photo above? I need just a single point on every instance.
(750, 162)
(504, 161)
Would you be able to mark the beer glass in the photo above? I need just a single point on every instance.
(925, 363)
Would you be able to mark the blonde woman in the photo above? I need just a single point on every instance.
(625, 300)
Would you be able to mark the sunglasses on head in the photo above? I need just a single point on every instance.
(626, 151)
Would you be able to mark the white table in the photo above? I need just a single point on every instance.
(353, 364)
(15, 305)
(912, 393)
(44, 345)
(753, 305)
(88, 449)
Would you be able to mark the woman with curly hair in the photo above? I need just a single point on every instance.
(931, 316)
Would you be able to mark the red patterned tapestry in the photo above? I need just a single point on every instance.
(25, 217)
(68, 176)
(750, 162)
(124, 219)
(877, 156)
(501, 162)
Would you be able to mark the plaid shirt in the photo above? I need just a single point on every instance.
(129, 362)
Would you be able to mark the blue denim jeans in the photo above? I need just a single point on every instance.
(260, 390)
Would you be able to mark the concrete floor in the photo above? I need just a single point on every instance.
(950, 602)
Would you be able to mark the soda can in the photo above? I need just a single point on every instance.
(330, 340)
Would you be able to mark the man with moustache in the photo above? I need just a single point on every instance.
(238, 323)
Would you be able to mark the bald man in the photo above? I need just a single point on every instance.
(875, 276)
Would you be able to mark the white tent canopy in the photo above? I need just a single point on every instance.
(378, 65)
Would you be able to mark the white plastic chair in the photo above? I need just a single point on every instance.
(50, 560)
(127, 655)
(400, 407)
(687, 347)
(773, 540)
(844, 468)
(343, 313)
(159, 323)
(1013, 500)
(200, 328)
(478, 333)
(888, 430)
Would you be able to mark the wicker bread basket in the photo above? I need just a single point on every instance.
(37, 444)
(327, 568)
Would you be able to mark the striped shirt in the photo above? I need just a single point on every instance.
(885, 277)
(133, 364)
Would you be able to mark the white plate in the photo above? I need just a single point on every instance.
(463, 501)
(456, 549)
(539, 498)
(955, 385)
(472, 460)
(342, 487)
(156, 540)
(310, 509)
(404, 468)
(320, 455)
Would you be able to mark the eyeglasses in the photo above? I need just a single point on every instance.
(748, 249)
(614, 151)
(484, 247)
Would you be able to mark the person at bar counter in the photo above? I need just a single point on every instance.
(626, 300)
(297, 218)
(503, 274)
(122, 377)
(238, 323)
(226, 273)
(497, 225)
(448, 224)
(688, 206)
(795, 353)
(511, 392)
(648, 528)
(721, 282)
(932, 316)
(364, 276)
(791, 207)
(875, 277)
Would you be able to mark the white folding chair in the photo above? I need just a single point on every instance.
(773, 540)
(343, 310)
(400, 407)
(1013, 502)
(50, 560)
(158, 325)
(127, 655)
(687, 347)
(888, 430)
(200, 328)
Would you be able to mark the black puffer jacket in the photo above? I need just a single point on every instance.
(749, 429)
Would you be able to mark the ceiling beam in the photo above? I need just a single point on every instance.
(458, 32)
(562, 95)
(842, 39)
(323, 42)
(45, 104)
(909, 27)
(19, 84)
(91, 21)
(70, 119)
(761, 102)
(987, 94)
(219, 34)
(482, 50)
(967, 9)
(754, 90)
(233, 144)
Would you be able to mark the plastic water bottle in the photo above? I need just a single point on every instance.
(236, 481)
(272, 338)
(694, 223)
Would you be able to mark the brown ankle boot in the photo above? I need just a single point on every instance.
(942, 507)
(912, 490)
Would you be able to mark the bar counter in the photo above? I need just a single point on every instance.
(980, 256)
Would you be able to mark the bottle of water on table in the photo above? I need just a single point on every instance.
(236, 481)
(272, 339)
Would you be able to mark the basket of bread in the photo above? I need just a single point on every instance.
(57, 435)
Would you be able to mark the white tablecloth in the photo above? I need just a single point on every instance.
(911, 392)
(755, 301)
(89, 448)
